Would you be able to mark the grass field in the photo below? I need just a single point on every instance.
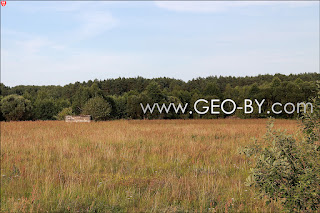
(133, 166)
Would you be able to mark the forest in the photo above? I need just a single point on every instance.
(120, 98)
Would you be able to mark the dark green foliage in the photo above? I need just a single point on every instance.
(1, 115)
(275, 82)
(63, 113)
(154, 92)
(212, 89)
(98, 108)
(45, 109)
(125, 94)
(287, 168)
(112, 103)
(61, 104)
(254, 91)
(121, 106)
(311, 121)
(134, 110)
(82, 95)
(15, 107)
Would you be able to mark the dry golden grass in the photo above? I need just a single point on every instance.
(118, 166)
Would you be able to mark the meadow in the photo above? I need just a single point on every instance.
(131, 166)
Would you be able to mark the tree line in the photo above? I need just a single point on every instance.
(120, 98)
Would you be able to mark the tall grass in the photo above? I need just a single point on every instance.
(133, 166)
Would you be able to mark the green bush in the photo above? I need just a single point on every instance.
(63, 113)
(287, 168)
(98, 108)
(15, 107)
(45, 109)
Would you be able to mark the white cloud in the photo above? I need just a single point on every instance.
(220, 6)
(89, 18)
(27, 43)
(30, 58)
(93, 23)
(48, 59)
(87, 25)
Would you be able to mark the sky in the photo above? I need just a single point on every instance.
(57, 43)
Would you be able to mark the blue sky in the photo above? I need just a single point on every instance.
(56, 43)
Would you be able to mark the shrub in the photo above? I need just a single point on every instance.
(63, 113)
(45, 109)
(98, 108)
(287, 168)
(16, 107)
